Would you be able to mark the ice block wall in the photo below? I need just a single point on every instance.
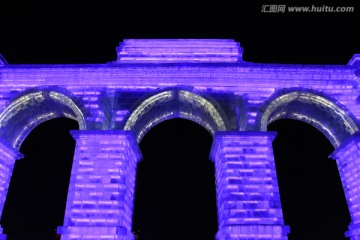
(248, 198)
(348, 161)
(8, 155)
(100, 197)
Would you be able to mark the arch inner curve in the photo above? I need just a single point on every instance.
(176, 104)
(32, 108)
(328, 116)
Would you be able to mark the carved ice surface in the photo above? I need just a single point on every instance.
(171, 104)
(175, 50)
(101, 191)
(348, 160)
(248, 198)
(203, 80)
(8, 155)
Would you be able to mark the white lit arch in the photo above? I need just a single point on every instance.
(34, 107)
(175, 103)
(314, 108)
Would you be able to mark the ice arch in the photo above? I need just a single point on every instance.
(324, 113)
(214, 66)
(172, 103)
(35, 106)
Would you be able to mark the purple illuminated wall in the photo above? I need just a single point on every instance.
(348, 161)
(248, 199)
(203, 80)
(8, 156)
(101, 191)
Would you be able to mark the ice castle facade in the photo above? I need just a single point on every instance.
(203, 80)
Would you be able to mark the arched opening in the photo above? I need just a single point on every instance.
(330, 117)
(34, 107)
(36, 198)
(175, 186)
(311, 192)
(176, 103)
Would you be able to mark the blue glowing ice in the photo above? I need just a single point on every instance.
(8, 156)
(101, 191)
(203, 80)
(248, 198)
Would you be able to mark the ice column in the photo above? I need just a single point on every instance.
(347, 157)
(8, 155)
(101, 191)
(247, 191)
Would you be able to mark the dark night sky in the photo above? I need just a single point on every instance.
(175, 186)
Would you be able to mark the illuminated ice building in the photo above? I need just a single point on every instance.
(205, 81)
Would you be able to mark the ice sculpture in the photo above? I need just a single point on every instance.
(204, 80)
(348, 161)
(101, 191)
(248, 199)
(8, 155)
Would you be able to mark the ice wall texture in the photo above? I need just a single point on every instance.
(8, 156)
(248, 199)
(175, 50)
(247, 95)
(101, 192)
(203, 80)
(348, 161)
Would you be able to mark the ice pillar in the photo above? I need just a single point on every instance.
(101, 191)
(8, 155)
(347, 157)
(247, 191)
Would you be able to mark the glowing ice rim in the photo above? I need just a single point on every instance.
(256, 95)
(19, 104)
(280, 108)
(182, 96)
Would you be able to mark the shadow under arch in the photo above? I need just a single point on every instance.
(312, 195)
(172, 103)
(35, 106)
(36, 198)
(175, 196)
(326, 114)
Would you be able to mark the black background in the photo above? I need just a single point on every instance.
(175, 187)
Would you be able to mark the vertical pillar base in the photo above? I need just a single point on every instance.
(354, 232)
(94, 233)
(347, 158)
(263, 232)
(2, 236)
(101, 191)
(8, 156)
(248, 199)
